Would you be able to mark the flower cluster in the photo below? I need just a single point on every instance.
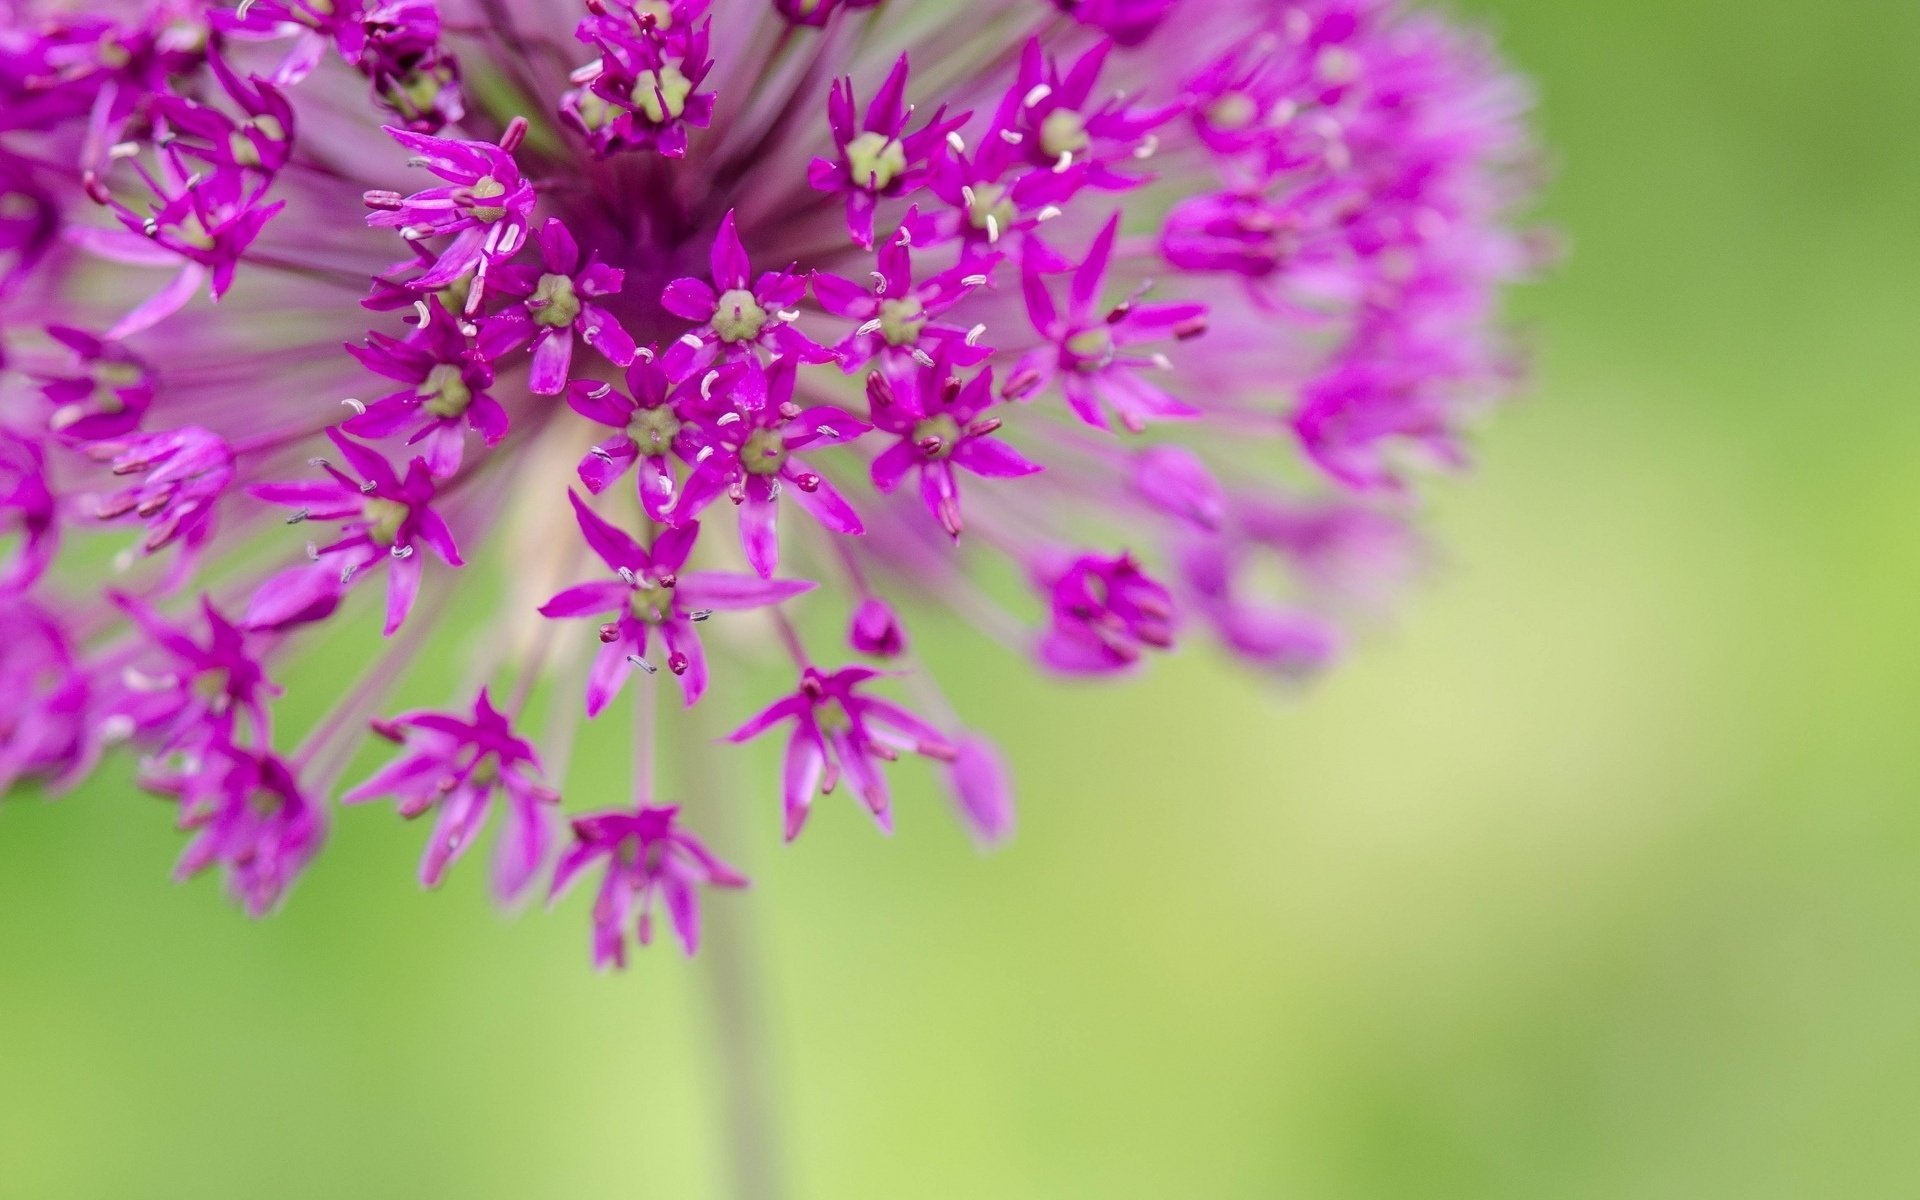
(713, 320)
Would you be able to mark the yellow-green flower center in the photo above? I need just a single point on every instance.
(875, 160)
(1063, 132)
(901, 320)
(384, 518)
(653, 429)
(991, 200)
(1092, 349)
(652, 604)
(554, 303)
(765, 452)
(941, 428)
(738, 317)
(1235, 110)
(662, 94)
(487, 188)
(446, 393)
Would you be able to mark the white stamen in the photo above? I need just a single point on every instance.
(706, 384)
(116, 728)
(626, 573)
(1063, 162)
(690, 340)
(993, 228)
(139, 681)
(1048, 213)
(975, 334)
(826, 431)
(706, 452)
(596, 393)
(644, 354)
(922, 357)
(1035, 94)
(974, 281)
(789, 315)
(402, 552)
(870, 328)
(123, 150)
(643, 664)
(420, 306)
(728, 419)
(1161, 361)
(1011, 137)
(1148, 147)
(358, 408)
(953, 139)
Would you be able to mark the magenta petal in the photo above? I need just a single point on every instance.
(826, 505)
(728, 260)
(610, 670)
(587, 600)
(760, 534)
(690, 299)
(403, 584)
(552, 359)
(992, 458)
(724, 591)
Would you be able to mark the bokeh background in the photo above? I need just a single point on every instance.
(1596, 875)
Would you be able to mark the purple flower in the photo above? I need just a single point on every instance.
(1055, 120)
(184, 473)
(940, 424)
(748, 455)
(104, 393)
(385, 518)
(1106, 612)
(648, 858)
(47, 707)
(27, 510)
(248, 815)
(653, 593)
(876, 156)
(447, 374)
(1090, 351)
(839, 731)
(738, 315)
(650, 427)
(558, 302)
(1325, 208)
(199, 695)
(876, 630)
(898, 317)
(485, 210)
(456, 764)
(643, 91)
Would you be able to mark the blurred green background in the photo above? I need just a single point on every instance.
(1596, 876)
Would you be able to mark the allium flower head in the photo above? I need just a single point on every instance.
(719, 333)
